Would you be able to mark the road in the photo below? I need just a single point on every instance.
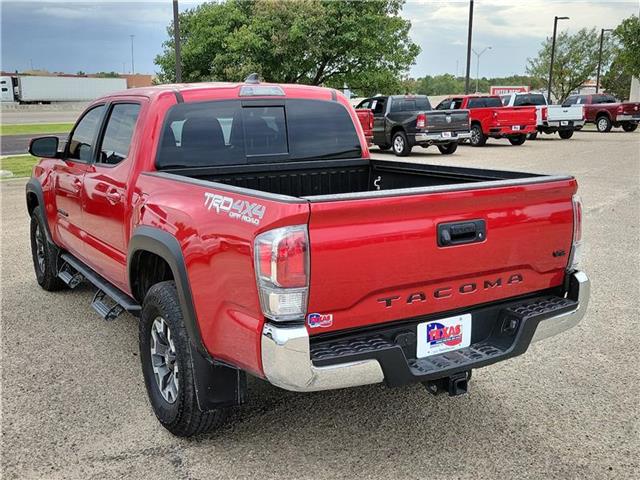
(40, 116)
(19, 144)
(74, 403)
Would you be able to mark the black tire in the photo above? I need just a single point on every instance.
(629, 127)
(603, 124)
(45, 254)
(517, 139)
(532, 136)
(400, 144)
(384, 147)
(478, 138)
(565, 134)
(448, 148)
(182, 417)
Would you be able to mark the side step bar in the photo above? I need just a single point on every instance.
(73, 272)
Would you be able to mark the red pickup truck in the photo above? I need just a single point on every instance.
(365, 116)
(250, 231)
(490, 119)
(606, 112)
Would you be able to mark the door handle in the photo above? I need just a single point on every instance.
(113, 196)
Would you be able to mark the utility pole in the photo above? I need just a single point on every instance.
(600, 57)
(133, 68)
(553, 52)
(176, 41)
(466, 80)
(478, 64)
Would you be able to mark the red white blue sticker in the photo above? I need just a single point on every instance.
(323, 320)
(444, 335)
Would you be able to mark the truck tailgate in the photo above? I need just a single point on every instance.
(446, 120)
(377, 260)
(506, 116)
(558, 113)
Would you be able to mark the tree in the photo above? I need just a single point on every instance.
(363, 44)
(576, 60)
(617, 80)
(108, 75)
(628, 36)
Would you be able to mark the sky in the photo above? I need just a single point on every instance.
(94, 36)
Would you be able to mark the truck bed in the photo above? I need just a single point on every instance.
(358, 178)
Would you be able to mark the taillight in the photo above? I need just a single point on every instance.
(421, 121)
(576, 244)
(282, 271)
(371, 121)
(544, 114)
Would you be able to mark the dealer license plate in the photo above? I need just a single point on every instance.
(444, 335)
(446, 134)
(564, 123)
(516, 127)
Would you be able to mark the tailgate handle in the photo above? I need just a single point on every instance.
(460, 233)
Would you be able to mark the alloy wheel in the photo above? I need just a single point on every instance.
(164, 360)
(40, 249)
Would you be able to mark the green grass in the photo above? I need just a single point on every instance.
(29, 128)
(19, 165)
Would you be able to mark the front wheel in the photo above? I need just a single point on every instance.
(45, 254)
(603, 124)
(518, 139)
(400, 144)
(478, 138)
(167, 366)
(565, 134)
(629, 127)
(448, 148)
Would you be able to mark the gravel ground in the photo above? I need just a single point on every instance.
(74, 404)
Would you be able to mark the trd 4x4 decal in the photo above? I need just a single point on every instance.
(237, 209)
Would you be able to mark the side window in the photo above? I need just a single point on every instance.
(364, 104)
(608, 99)
(379, 108)
(505, 99)
(444, 105)
(81, 141)
(572, 100)
(476, 103)
(117, 136)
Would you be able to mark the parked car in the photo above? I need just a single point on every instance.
(490, 119)
(250, 231)
(606, 112)
(365, 116)
(549, 118)
(404, 121)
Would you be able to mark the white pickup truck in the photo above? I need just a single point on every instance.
(550, 118)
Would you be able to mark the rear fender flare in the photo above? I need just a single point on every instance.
(217, 384)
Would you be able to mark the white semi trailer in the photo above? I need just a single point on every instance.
(36, 89)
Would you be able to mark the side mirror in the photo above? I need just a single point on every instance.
(44, 147)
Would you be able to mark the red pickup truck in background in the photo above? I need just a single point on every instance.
(250, 231)
(489, 118)
(606, 112)
(365, 116)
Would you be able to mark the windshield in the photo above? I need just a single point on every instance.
(235, 132)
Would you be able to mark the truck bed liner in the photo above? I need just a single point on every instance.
(334, 179)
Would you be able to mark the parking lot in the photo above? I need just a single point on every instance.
(74, 403)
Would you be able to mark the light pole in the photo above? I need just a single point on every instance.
(553, 52)
(133, 68)
(466, 79)
(176, 41)
(600, 57)
(478, 64)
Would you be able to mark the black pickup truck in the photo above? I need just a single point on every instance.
(403, 121)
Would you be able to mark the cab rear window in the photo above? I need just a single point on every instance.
(237, 132)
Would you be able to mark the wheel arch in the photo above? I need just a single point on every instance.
(217, 384)
(35, 198)
(603, 113)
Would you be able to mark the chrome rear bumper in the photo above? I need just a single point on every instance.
(286, 351)
(437, 137)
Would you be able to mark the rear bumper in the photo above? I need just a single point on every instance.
(292, 362)
(436, 138)
(628, 118)
(560, 124)
(508, 131)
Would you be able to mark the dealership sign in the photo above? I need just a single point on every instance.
(504, 90)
